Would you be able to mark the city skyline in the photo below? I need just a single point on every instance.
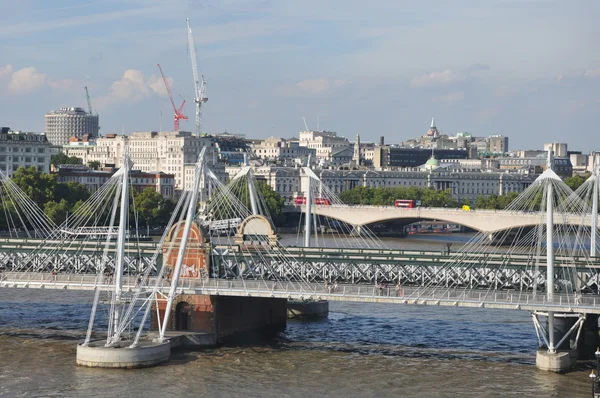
(517, 68)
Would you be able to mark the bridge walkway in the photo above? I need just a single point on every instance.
(365, 293)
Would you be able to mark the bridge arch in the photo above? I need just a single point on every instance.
(485, 221)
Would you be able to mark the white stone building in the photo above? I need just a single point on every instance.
(323, 142)
(20, 149)
(274, 148)
(168, 152)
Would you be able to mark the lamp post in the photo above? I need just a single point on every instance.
(594, 376)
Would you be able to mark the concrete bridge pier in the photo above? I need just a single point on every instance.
(589, 339)
(566, 333)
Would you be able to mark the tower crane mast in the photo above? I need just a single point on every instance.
(177, 115)
(199, 86)
(89, 101)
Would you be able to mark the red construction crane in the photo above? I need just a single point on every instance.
(177, 112)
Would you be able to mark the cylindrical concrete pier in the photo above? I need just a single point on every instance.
(147, 353)
(589, 339)
(564, 358)
(303, 309)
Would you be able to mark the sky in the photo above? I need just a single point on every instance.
(527, 69)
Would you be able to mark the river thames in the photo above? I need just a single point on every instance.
(360, 350)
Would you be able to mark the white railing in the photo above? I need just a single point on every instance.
(344, 292)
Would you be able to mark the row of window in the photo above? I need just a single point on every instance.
(26, 159)
(21, 149)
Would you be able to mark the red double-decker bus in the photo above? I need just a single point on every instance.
(322, 201)
(407, 203)
(301, 200)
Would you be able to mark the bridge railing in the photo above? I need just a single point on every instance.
(414, 295)
(514, 298)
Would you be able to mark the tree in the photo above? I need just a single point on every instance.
(575, 181)
(148, 205)
(57, 212)
(94, 164)
(61, 158)
(382, 196)
(38, 186)
(273, 201)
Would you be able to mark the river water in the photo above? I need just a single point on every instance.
(361, 350)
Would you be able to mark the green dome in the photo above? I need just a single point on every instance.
(432, 162)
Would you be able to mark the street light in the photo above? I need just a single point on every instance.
(595, 380)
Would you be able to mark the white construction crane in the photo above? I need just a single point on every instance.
(199, 86)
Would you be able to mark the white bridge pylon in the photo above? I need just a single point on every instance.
(558, 266)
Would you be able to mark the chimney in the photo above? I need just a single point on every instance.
(381, 141)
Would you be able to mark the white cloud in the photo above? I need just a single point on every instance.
(5, 71)
(451, 98)
(435, 79)
(133, 86)
(592, 73)
(130, 87)
(312, 86)
(27, 80)
(157, 85)
(61, 85)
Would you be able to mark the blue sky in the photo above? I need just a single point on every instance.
(529, 69)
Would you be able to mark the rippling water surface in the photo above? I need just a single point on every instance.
(361, 350)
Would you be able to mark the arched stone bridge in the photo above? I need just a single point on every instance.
(486, 221)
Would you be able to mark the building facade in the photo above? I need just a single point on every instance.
(168, 152)
(160, 182)
(498, 144)
(280, 149)
(65, 123)
(20, 149)
(290, 182)
(559, 148)
(323, 142)
(390, 157)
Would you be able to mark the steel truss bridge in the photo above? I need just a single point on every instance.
(74, 257)
(415, 268)
(412, 268)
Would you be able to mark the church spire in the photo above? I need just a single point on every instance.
(432, 122)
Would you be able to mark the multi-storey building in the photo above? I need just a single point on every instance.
(323, 142)
(19, 149)
(389, 157)
(65, 123)
(536, 165)
(463, 184)
(168, 152)
(280, 149)
(162, 183)
(558, 148)
(498, 144)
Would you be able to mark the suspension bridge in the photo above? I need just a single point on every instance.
(544, 260)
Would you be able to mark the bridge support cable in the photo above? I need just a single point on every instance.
(191, 212)
(307, 212)
(486, 267)
(101, 270)
(116, 304)
(550, 255)
(332, 232)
